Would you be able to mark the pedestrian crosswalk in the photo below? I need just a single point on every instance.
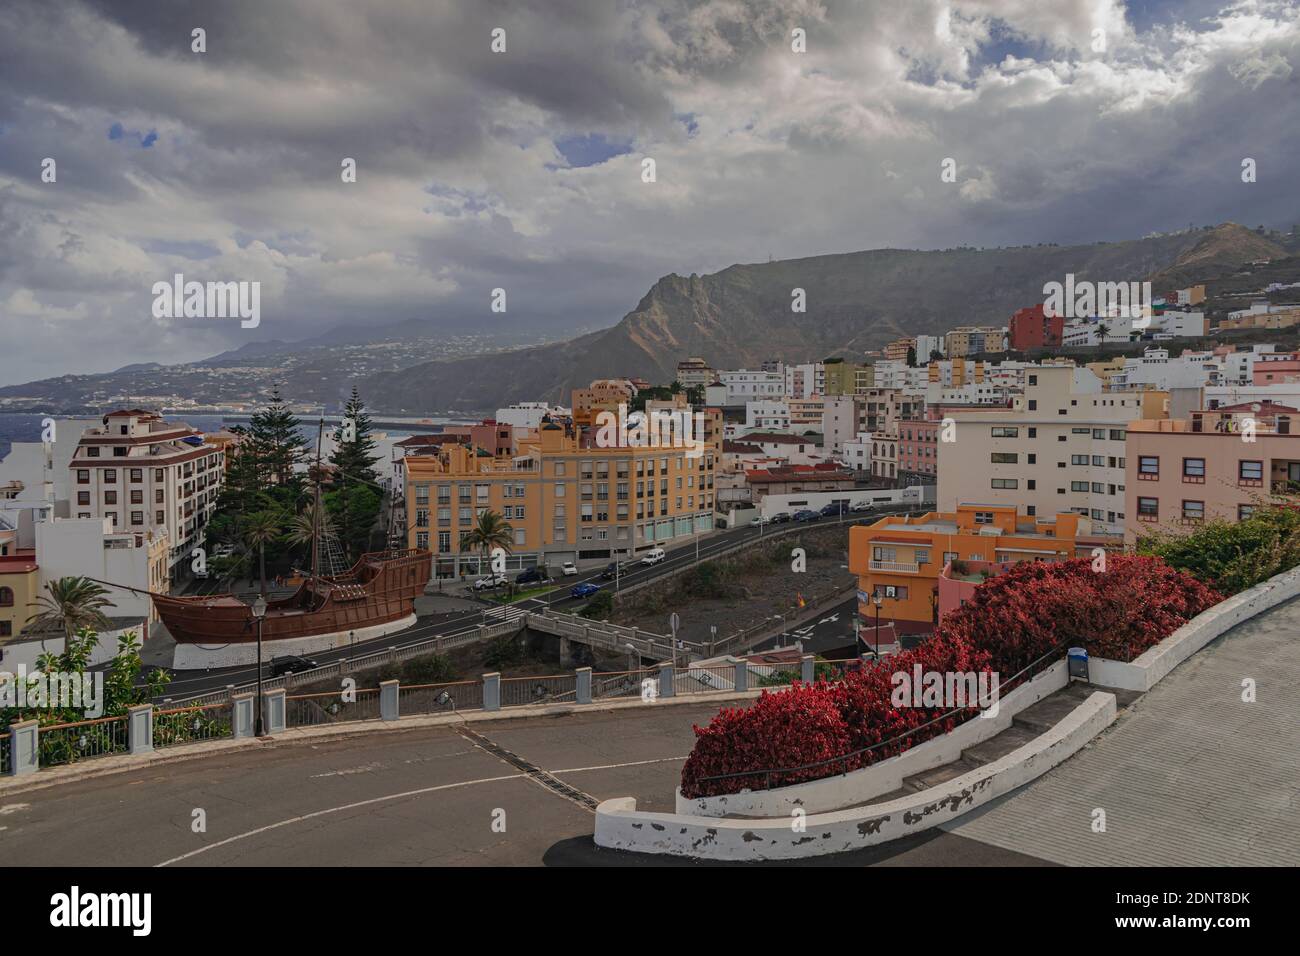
(504, 613)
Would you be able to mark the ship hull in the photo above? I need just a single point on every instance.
(192, 657)
(378, 591)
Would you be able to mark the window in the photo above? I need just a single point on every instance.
(1250, 472)
(83, 497)
(1006, 483)
(884, 554)
(1148, 466)
(1244, 512)
(1033, 404)
(137, 517)
(1078, 459)
(1033, 433)
(1193, 510)
(1004, 431)
(83, 476)
(559, 469)
(1118, 434)
(519, 536)
(984, 517)
(137, 497)
(158, 474)
(159, 517)
(922, 556)
(1078, 486)
(92, 452)
(6, 597)
(1004, 458)
(1148, 509)
(110, 497)
(110, 476)
(1194, 470)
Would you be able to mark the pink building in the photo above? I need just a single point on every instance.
(918, 447)
(1273, 367)
(1220, 463)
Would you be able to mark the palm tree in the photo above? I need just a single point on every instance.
(72, 603)
(489, 531)
(303, 530)
(261, 528)
(1103, 330)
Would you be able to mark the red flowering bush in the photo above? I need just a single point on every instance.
(789, 728)
(1012, 621)
(1020, 615)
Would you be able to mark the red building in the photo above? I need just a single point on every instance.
(1031, 328)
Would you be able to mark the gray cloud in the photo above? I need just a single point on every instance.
(759, 151)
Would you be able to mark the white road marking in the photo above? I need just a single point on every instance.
(13, 808)
(326, 812)
(616, 766)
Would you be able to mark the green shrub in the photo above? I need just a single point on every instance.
(1233, 556)
(433, 669)
(503, 651)
(599, 607)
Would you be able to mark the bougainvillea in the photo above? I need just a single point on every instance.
(1014, 620)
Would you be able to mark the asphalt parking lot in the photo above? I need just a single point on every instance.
(501, 793)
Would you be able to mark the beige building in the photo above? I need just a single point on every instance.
(563, 500)
(1216, 464)
(146, 474)
(1059, 448)
(974, 339)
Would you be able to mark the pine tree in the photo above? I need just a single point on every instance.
(276, 442)
(353, 444)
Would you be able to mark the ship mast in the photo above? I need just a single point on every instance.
(315, 511)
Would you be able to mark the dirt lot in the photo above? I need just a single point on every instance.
(740, 591)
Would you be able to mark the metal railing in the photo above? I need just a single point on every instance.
(334, 707)
(558, 689)
(82, 740)
(610, 685)
(6, 753)
(183, 725)
(447, 698)
(866, 756)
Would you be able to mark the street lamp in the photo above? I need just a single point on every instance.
(259, 613)
(877, 601)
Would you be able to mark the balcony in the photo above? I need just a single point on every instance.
(895, 567)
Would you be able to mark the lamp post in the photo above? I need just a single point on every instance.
(259, 613)
(877, 601)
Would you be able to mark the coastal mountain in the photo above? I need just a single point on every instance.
(855, 302)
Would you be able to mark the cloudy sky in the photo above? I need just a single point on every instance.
(1068, 120)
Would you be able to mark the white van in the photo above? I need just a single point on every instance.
(654, 556)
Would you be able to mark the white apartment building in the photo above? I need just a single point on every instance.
(146, 474)
(805, 381)
(898, 375)
(695, 373)
(926, 345)
(1155, 369)
(1280, 393)
(749, 385)
(89, 547)
(1060, 447)
(840, 415)
(767, 414)
(529, 414)
(42, 467)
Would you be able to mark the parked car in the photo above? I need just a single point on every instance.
(585, 589)
(529, 576)
(760, 521)
(654, 556)
(834, 509)
(806, 515)
(570, 569)
(291, 664)
(862, 506)
(611, 571)
(781, 517)
(489, 582)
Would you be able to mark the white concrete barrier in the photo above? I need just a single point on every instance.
(857, 786)
(200, 656)
(1153, 665)
(620, 826)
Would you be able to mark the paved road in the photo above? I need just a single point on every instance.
(1190, 774)
(421, 797)
(191, 683)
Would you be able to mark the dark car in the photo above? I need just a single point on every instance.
(611, 571)
(585, 589)
(781, 517)
(835, 509)
(806, 515)
(291, 665)
(529, 576)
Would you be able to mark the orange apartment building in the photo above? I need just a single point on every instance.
(604, 394)
(1211, 465)
(900, 557)
(564, 500)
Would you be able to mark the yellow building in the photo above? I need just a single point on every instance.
(564, 500)
(19, 586)
(973, 339)
(896, 351)
(843, 378)
(602, 395)
(1106, 370)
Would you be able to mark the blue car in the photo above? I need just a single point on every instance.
(585, 589)
(806, 515)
